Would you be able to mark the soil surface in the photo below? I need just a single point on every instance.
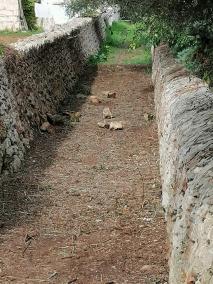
(86, 207)
(8, 39)
(119, 56)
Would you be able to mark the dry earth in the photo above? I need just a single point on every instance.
(86, 206)
(11, 38)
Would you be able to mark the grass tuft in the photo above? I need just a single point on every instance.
(20, 33)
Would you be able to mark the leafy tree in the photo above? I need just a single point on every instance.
(84, 7)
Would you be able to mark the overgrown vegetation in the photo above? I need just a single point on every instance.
(122, 35)
(122, 39)
(84, 7)
(187, 27)
(101, 56)
(191, 44)
(29, 13)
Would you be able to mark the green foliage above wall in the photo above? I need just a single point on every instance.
(186, 25)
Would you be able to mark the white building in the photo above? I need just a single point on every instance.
(10, 15)
(51, 13)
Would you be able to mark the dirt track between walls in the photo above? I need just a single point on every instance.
(86, 208)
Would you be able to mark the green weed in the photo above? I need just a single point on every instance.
(101, 56)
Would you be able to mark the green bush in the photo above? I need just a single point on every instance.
(191, 44)
(123, 34)
(29, 12)
(101, 56)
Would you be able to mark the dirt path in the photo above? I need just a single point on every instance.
(7, 37)
(86, 209)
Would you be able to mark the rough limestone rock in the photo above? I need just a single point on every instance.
(116, 125)
(94, 100)
(184, 106)
(103, 124)
(107, 114)
(45, 127)
(110, 94)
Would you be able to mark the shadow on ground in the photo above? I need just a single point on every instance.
(21, 194)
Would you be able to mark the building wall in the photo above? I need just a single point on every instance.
(51, 11)
(9, 15)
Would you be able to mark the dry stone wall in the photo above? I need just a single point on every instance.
(35, 76)
(184, 106)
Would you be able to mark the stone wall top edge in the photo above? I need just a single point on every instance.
(182, 77)
(37, 40)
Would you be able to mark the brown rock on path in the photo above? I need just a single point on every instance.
(86, 197)
(94, 100)
(116, 125)
(46, 127)
(107, 114)
(109, 94)
(103, 124)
